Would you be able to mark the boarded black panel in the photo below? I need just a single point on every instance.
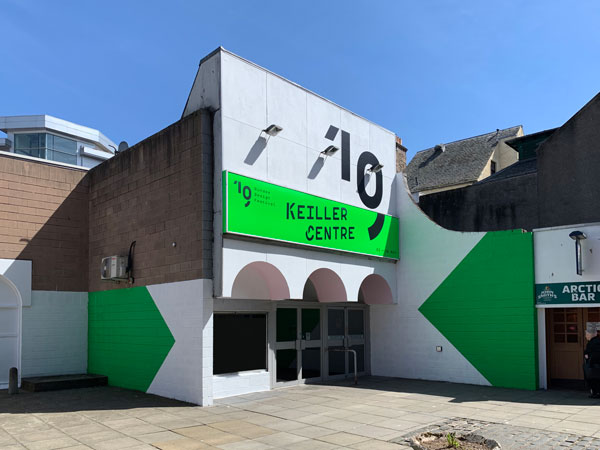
(240, 342)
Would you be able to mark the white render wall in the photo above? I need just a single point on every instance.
(296, 265)
(55, 331)
(253, 98)
(554, 254)
(246, 99)
(403, 341)
(228, 385)
(186, 308)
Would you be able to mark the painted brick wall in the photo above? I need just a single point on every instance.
(485, 308)
(44, 218)
(156, 193)
(55, 334)
(128, 337)
(152, 339)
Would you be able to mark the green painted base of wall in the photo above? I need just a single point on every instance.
(485, 308)
(128, 339)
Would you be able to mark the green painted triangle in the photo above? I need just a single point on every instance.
(485, 308)
(128, 339)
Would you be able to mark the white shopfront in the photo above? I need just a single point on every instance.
(303, 309)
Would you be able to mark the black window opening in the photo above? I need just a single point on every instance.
(493, 168)
(239, 342)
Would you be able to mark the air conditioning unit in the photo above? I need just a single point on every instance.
(114, 268)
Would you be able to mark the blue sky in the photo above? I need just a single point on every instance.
(431, 71)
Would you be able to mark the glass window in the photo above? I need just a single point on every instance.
(31, 144)
(61, 149)
(47, 146)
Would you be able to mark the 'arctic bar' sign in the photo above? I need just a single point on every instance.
(256, 208)
(576, 293)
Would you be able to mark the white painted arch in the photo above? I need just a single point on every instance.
(11, 305)
(296, 266)
(260, 280)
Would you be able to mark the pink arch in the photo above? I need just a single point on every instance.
(328, 286)
(375, 290)
(260, 281)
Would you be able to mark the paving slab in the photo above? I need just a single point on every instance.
(378, 413)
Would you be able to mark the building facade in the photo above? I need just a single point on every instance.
(270, 242)
(56, 140)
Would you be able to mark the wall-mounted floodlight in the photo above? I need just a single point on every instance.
(273, 130)
(330, 150)
(376, 168)
(578, 236)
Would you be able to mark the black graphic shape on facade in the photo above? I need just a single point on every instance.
(377, 226)
(331, 133)
(345, 155)
(369, 159)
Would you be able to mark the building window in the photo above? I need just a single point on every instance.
(47, 146)
(493, 167)
(31, 144)
(239, 342)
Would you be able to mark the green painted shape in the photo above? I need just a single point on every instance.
(128, 339)
(485, 308)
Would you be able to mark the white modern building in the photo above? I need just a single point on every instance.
(270, 242)
(53, 139)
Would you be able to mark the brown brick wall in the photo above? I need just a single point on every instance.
(156, 193)
(400, 155)
(44, 218)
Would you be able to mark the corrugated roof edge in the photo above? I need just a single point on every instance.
(224, 50)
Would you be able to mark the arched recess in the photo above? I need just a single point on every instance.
(375, 290)
(260, 281)
(325, 286)
(10, 329)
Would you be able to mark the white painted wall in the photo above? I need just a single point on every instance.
(10, 330)
(403, 341)
(554, 254)
(19, 273)
(228, 385)
(55, 334)
(296, 265)
(186, 307)
(246, 99)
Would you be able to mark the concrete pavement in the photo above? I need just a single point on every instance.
(377, 414)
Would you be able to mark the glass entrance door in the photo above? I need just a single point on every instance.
(345, 331)
(298, 344)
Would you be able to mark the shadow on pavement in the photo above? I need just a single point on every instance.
(86, 399)
(464, 393)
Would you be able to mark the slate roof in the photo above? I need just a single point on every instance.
(460, 162)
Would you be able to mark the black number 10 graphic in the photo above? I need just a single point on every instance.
(365, 159)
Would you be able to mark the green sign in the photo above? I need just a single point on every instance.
(577, 293)
(256, 208)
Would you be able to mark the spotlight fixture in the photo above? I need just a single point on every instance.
(578, 236)
(376, 168)
(273, 130)
(330, 150)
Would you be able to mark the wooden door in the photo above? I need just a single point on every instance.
(565, 343)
